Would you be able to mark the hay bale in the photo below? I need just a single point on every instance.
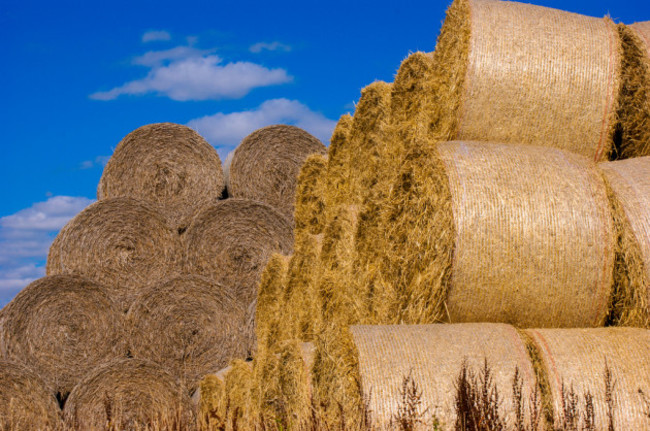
(310, 196)
(266, 164)
(531, 68)
(231, 241)
(634, 107)
(62, 326)
(629, 181)
(25, 401)
(338, 161)
(121, 242)
(271, 305)
(576, 359)
(132, 394)
(166, 164)
(189, 325)
(433, 356)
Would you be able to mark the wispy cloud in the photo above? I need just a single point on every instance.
(25, 239)
(225, 131)
(269, 46)
(185, 73)
(156, 35)
(98, 161)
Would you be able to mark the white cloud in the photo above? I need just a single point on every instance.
(156, 35)
(25, 239)
(273, 46)
(186, 73)
(225, 131)
(98, 161)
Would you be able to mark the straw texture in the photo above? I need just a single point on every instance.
(270, 307)
(532, 68)
(63, 327)
(534, 236)
(576, 358)
(266, 164)
(310, 196)
(167, 164)
(630, 184)
(231, 241)
(25, 402)
(189, 325)
(433, 356)
(338, 162)
(121, 242)
(132, 394)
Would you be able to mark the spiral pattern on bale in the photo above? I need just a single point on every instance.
(231, 241)
(166, 164)
(266, 164)
(63, 326)
(132, 394)
(189, 324)
(25, 400)
(120, 242)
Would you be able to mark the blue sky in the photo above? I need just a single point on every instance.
(78, 76)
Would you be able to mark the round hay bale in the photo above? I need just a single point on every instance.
(629, 181)
(532, 68)
(266, 164)
(121, 242)
(310, 196)
(576, 360)
(502, 233)
(433, 356)
(189, 325)
(131, 394)
(62, 326)
(166, 164)
(231, 241)
(634, 107)
(25, 401)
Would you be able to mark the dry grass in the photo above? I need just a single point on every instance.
(310, 196)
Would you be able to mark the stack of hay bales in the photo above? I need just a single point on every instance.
(162, 270)
(469, 191)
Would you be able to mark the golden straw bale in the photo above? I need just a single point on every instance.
(338, 162)
(63, 327)
(121, 242)
(629, 181)
(530, 68)
(131, 394)
(294, 386)
(212, 405)
(25, 401)
(189, 325)
(167, 164)
(231, 241)
(241, 398)
(576, 360)
(270, 308)
(266, 164)
(634, 107)
(433, 356)
(310, 196)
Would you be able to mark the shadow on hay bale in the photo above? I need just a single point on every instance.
(62, 326)
(166, 164)
(266, 164)
(25, 401)
(120, 242)
(189, 325)
(130, 394)
(533, 68)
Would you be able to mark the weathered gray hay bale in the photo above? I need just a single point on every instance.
(543, 76)
(576, 359)
(25, 401)
(518, 234)
(634, 107)
(629, 181)
(310, 196)
(231, 241)
(266, 164)
(189, 325)
(120, 242)
(166, 164)
(132, 394)
(62, 326)
(433, 356)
